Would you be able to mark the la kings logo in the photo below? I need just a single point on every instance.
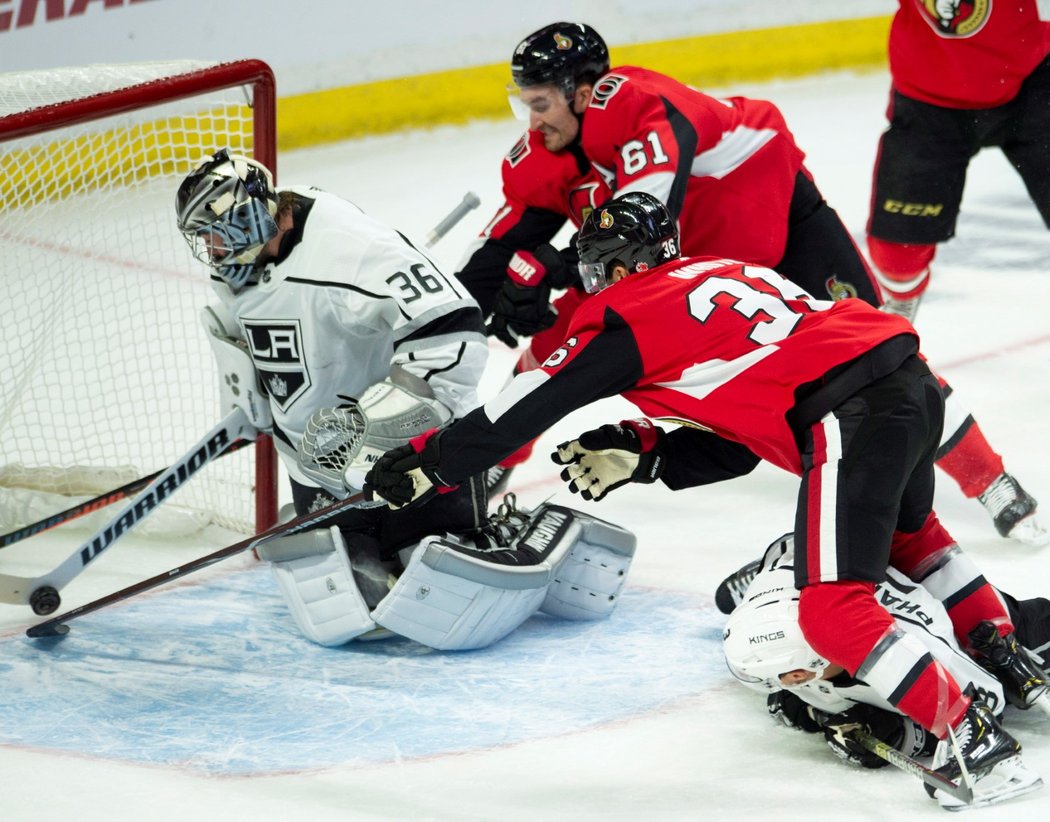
(276, 349)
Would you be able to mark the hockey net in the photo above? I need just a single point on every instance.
(107, 374)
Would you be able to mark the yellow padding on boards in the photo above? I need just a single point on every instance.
(461, 95)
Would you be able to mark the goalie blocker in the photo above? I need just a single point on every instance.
(453, 596)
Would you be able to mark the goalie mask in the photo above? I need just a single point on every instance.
(634, 230)
(762, 638)
(226, 211)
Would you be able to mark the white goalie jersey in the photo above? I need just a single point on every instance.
(348, 298)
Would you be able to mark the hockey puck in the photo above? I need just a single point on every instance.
(44, 600)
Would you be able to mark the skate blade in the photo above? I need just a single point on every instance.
(1007, 780)
(1030, 532)
(1042, 703)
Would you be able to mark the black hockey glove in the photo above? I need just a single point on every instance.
(786, 708)
(408, 474)
(523, 304)
(611, 456)
(895, 730)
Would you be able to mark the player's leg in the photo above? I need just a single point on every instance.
(858, 463)
(967, 457)
(918, 182)
(1023, 137)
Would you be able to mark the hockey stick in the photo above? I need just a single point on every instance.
(469, 202)
(41, 593)
(963, 792)
(103, 500)
(56, 626)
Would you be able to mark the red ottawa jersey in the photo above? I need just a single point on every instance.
(970, 54)
(711, 344)
(542, 190)
(725, 169)
(561, 182)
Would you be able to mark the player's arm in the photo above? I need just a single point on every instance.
(515, 227)
(600, 358)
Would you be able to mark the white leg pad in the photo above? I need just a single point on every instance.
(455, 597)
(587, 582)
(450, 600)
(313, 572)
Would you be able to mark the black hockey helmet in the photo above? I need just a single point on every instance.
(635, 230)
(564, 54)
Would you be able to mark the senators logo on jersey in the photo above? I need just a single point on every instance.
(957, 18)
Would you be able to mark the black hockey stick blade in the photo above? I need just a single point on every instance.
(57, 626)
(88, 506)
(962, 791)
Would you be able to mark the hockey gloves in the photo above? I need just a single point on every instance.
(523, 305)
(611, 456)
(895, 730)
(408, 474)
(789, 710)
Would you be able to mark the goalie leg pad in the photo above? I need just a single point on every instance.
(314, 575)
(452, 600)
(587, 581)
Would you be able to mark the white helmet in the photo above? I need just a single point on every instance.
(762, 638)
(226, 210)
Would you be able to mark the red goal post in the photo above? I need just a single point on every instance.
(108, 374)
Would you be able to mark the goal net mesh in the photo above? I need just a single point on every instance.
(107, 375)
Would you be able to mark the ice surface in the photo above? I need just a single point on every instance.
(199, 702)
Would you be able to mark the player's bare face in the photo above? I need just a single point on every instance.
(551, 115)
(215, 245)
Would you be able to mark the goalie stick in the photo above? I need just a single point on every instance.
(103, 500)
(41, 593)
(469, 202)
(963, 791)
(57, 627)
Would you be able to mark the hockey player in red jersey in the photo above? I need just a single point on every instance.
(732, 176)
(754, 368)
(965, 76)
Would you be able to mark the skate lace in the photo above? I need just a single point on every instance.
(1001, 493)
(508, 520)
(739, 582)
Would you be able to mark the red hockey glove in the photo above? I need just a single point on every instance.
(408, 475)
(523, 305)
(611, 456)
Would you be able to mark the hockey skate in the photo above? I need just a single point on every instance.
(1024, 683)
(903, 308)
(991, 759)
(1013, 511)
(730, 591)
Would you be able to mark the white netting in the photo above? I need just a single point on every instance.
(102, 359)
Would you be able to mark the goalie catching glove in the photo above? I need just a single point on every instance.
(522, 306)
(340, 445)
(613, 455)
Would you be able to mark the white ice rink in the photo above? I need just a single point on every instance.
(199, 702)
